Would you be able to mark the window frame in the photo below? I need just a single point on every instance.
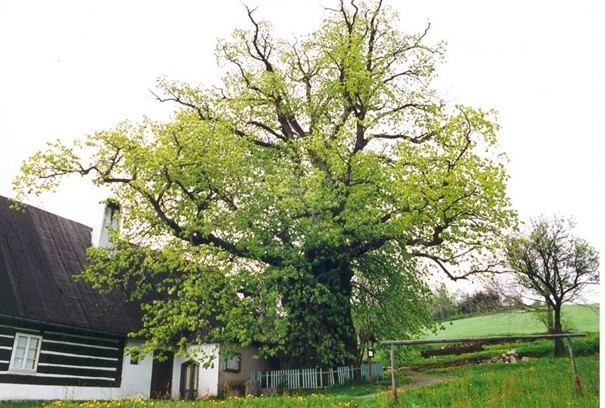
(230, 362)
(29, 338)
(135, 358)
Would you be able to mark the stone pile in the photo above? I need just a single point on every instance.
(510, 357)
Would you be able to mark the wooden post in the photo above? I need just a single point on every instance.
(369, 368)
(393, 381)
(574, 369)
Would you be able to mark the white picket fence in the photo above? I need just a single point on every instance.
(316, 377)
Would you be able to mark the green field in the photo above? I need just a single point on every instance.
(578, 319)
(542, 381)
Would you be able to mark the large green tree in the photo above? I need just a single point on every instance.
(297, 200)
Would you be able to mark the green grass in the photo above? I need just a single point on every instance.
(543, 382)
(579, 319)
(582, 346)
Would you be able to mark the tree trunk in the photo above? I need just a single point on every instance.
(321, 331)
(549, 317)
(558, 328)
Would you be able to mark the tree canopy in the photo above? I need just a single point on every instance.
(294, 202)
(551, 265)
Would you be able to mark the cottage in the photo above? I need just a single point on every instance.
(60, 339)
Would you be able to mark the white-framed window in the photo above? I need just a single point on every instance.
(26, 351)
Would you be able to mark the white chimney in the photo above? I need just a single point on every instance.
(111, 222)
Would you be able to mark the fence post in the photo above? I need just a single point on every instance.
(574, 369)
(393, 382)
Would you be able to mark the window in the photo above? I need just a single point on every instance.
(234, 363)
(135, 358)
(26, 350)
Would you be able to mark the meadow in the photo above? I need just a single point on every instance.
(576, 318)
(541, 381)
(544, 382)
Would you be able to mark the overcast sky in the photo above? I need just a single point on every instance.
(69, 68)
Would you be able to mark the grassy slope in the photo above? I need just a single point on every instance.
(543, 382)
(581, 319)
(497, 385)
(476, 386)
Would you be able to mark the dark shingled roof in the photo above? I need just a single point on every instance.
(40, 253)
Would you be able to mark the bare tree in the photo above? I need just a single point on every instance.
(553, 266)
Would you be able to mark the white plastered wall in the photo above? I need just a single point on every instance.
(136, 378)
(207, 355)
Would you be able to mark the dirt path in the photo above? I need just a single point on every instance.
(423, 381)
(417, 382)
